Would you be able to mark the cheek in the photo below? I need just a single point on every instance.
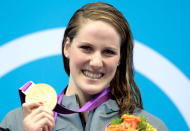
(77, 59)
(112, 65)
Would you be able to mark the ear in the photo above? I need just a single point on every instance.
(119, 60)
(67, 47)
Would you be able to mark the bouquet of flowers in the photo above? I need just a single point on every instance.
(129, 122)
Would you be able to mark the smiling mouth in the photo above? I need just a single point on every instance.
(92, 75)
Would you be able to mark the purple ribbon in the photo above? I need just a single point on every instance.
(90, 105)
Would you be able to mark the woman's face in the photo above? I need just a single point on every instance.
(93, 56)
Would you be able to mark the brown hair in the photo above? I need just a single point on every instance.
(123, 87)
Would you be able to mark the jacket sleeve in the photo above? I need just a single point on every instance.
(13, 121)
(4, 125)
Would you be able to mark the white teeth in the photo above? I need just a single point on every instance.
(92, 75)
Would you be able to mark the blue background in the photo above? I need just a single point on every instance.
(161, 25)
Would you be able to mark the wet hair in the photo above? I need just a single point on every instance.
(123, 87)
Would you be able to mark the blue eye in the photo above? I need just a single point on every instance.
(109, 52)
(86, 48)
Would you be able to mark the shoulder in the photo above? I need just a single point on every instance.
(13, 119)
(15, 114)
(153, 120)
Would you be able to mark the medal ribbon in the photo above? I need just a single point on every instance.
(90, 105)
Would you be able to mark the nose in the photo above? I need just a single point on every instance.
(96, 60)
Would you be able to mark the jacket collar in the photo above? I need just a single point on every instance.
(71, 102)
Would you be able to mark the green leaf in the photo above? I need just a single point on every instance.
(143, 123)
(127, 113)
(116, 121)
(142, 118)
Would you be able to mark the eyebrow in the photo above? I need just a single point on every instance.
(109, 47)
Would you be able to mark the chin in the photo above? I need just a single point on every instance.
(92, 91)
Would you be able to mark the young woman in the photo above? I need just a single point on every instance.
(97, 52)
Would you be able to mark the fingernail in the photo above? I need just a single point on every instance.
(41, 103)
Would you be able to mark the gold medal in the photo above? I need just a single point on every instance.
(42, 93)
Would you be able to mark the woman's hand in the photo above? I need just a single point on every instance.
(40, 119)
